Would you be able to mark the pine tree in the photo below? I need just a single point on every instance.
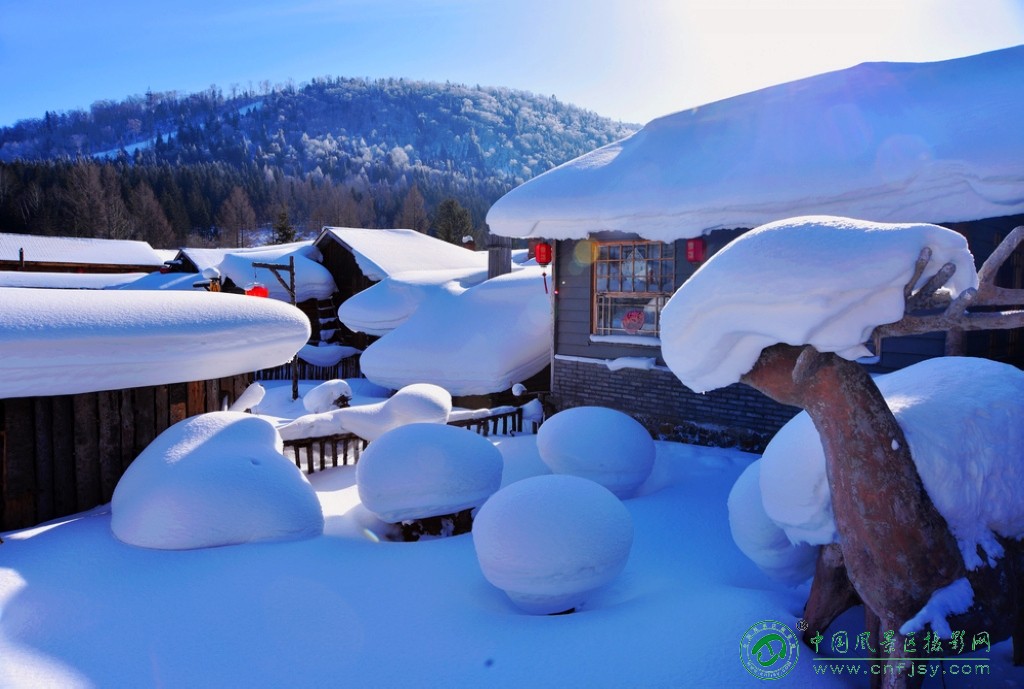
(452, 222)
(283, 230)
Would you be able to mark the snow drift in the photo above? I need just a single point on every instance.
(213, 480)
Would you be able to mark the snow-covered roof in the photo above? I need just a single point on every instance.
(84, 250)
(28, 278)
(383, 252)
(384, 306)
(891, 142)
(474, 341)
(205, 258)
(61, 342)
(312, 280)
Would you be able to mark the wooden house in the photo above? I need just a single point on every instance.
(39, 253)
(89, 378)
(932, 142)
(358, 258)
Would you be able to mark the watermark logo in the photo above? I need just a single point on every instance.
(769, 650)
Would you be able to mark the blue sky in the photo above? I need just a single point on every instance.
(632, 60)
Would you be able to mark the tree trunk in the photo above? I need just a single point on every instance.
(897, 548)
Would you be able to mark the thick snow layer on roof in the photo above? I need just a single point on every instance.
(893, 142)
(823, 281)
(312, 280)
(164, 281)
(60, 342)
(481, 340)
(25, 278)
(384, 306)
(961, 417)
(211, 257)
(383, 252)
(214, 480)
(78, 250)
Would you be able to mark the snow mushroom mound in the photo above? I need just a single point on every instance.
(549, 541)
(600, 444)
(416, 403)
(322, 398)
(426, 470)
(760, 538)
(212, 480)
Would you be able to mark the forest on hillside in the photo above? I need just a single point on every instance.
(206, 168)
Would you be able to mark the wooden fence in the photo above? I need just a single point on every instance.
(64, 454)
(346, 368)
(317, 451)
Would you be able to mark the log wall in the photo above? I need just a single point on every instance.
(65, 454)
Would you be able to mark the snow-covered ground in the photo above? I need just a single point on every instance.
(78, 608)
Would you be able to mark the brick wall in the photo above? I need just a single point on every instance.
(734, 416)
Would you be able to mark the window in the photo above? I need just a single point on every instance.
(632, 281)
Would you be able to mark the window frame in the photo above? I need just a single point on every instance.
(622, 254)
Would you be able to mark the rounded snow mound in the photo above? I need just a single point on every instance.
(417, 403)
(550, 541)
(760, 538)
(212, 480)
(601, 444)
(961, 417)
(820, 280)
(427, 470)
(322, 398)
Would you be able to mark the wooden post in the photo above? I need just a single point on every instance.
(177, 396)
(145, 418)
(43, 417)
(499, 256)
(295, 357)
(127, 414)
(19, 474)
(65, 495)
(87, 463)
(109, 441)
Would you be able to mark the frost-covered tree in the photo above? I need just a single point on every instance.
(413, 215)
(234, 216)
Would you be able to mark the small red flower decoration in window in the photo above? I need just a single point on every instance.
(633, 321)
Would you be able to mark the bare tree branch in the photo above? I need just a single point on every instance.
(987, 308)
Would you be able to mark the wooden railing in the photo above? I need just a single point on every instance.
(318, 451)
(488, 425)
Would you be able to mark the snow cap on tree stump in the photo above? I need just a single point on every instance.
(820, 280)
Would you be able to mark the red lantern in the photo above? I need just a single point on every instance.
(542, 252)
(256, 289)
(696, 250)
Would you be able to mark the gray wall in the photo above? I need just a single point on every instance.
(666, 406)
